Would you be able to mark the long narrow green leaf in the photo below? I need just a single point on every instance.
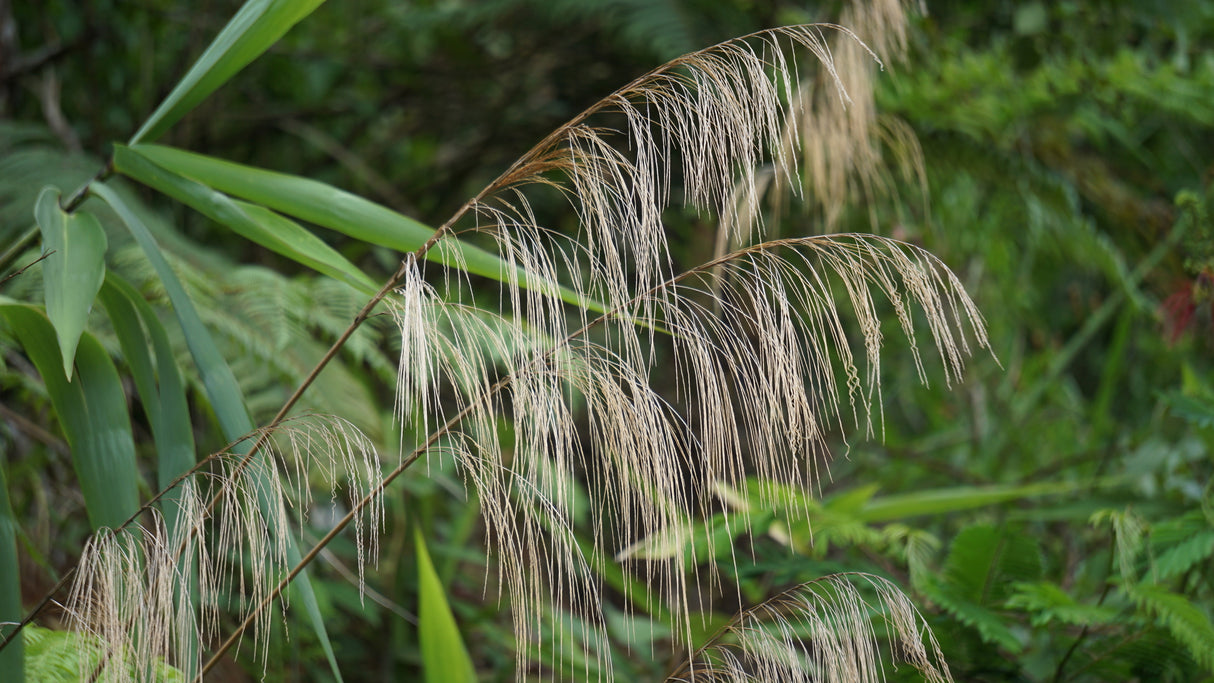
(12, 657)
(217, 378)
(941, 501)
(444, 656)
(157, 378)
(335, 209)
(72, 274)
(92, 411)
(258, 25)
(254, 223)
(222, 389)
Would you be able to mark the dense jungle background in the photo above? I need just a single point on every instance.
(1051, 515)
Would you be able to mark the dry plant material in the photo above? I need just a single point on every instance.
(757, 339)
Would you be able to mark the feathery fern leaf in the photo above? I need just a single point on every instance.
(1188, 623)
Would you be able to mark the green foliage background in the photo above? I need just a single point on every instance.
(1052, 516)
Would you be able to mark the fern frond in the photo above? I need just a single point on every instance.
(1178, 544)
(1188, 623)
(984, 562)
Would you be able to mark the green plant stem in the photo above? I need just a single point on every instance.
(1083, 633)
(26, 267)
(82, 193)
(1122, 643)
(17, 247)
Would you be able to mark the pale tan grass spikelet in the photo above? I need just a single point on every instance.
(414, 386)
(847, 152)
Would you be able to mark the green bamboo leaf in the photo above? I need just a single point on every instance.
(258, 25)
(336, 209)
(222, 390)
(157, 379)
(254, 223)
(12, 657)
(72, 274)
(217, 378)
(92, 411)
(444, 656)
(862, 505)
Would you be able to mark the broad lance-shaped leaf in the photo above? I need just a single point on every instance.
(224, 393)
(93, 413)
(336, 209)
(444, 656)
(254, 223)
(72, 274)
(258, 25)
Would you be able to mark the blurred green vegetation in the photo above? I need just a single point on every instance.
(1052, 516)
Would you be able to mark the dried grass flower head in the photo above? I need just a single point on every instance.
(760, 342)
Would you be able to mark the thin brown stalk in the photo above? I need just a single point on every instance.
(26, 267)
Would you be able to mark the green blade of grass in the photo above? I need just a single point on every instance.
(217, 378)
(253, 29)
(947, 500)
(338, 210)
(222, 390)
(863, 506)
(444, 656)
(12, 657)
(157, 379)
(93, 413)
(73, 271)
(254, 223)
